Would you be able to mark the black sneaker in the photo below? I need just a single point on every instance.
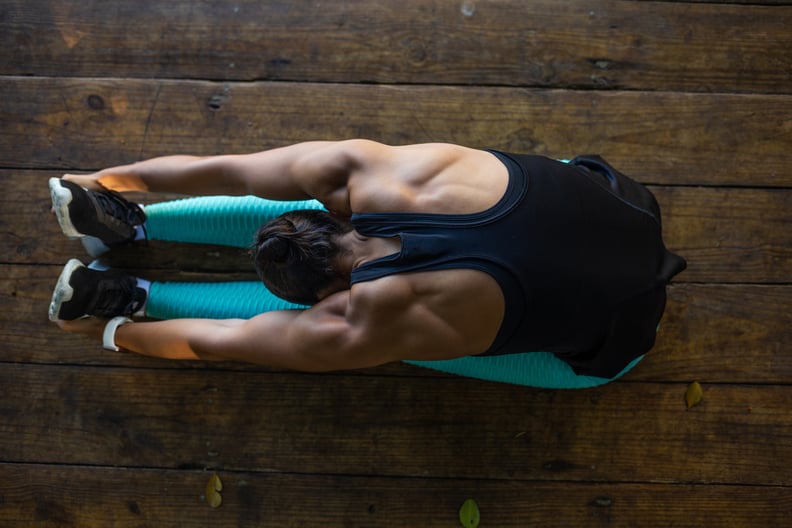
(101, 219)
(84, 291)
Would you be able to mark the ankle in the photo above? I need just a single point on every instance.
(144, 285)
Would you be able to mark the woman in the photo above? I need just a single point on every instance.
(427, 252)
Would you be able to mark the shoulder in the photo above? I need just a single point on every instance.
(380, 303)
(426, 315)
(365, 152)
(371, 158)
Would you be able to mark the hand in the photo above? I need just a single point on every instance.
(92, 327)
(89, 181)
(118, 179)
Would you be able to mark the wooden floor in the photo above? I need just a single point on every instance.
(691, 98)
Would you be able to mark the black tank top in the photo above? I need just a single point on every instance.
(576, 249)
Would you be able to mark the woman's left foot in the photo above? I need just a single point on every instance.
(82, 291)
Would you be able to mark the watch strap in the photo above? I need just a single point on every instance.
(108, 336)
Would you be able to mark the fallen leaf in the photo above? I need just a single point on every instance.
(215, 500)
(212, 491)
(215, 483)
(694, 394)
(469, 514)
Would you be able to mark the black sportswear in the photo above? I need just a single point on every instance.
(576, 249)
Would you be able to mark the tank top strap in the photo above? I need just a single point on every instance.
(434, 241)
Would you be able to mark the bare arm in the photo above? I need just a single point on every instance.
(386, 322)
(306, 170)
(271, 339)
(318, 339)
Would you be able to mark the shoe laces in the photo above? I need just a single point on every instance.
(115, 205)
(117, 296)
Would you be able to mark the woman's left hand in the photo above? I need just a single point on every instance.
(92, 327)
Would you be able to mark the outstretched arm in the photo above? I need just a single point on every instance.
(317, 169)
(386, 322)
(319, 339)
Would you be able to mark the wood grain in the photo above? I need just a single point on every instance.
(666, 138)
(729, 235)
(44, 495)
(723, 333)
(389, 426)
(597, 44)
(691, 97)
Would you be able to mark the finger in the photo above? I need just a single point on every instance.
(63, 325)
(89, 181)
(77, 324)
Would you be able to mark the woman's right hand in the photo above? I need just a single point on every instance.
(119, 179)
(89, 181)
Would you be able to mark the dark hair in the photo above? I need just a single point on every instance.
(295, 254)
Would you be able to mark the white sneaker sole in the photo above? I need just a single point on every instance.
(61, 198)
(63, 290)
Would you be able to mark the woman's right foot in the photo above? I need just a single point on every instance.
(100, 219)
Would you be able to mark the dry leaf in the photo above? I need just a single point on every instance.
(469, 514)
(212, 491)
(214, 500)
(694, 394)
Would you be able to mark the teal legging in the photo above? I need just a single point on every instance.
(233, 221)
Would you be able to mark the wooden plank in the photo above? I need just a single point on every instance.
(727, 235)
(86, 497)
(713, 333)
(720, 333)
(576, 43)
(656, 137)
(386, 426)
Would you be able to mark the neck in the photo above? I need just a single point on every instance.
(357, 249)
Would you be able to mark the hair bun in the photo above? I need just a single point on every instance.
(275, 249)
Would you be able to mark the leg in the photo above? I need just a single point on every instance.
(103, 292)
(82, 291)
(217, 300)
(221, 220)
(102, 220)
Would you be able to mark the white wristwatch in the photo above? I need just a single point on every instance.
(108, 337)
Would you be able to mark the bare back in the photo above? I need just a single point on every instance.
(442, 314)
(427, 178)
